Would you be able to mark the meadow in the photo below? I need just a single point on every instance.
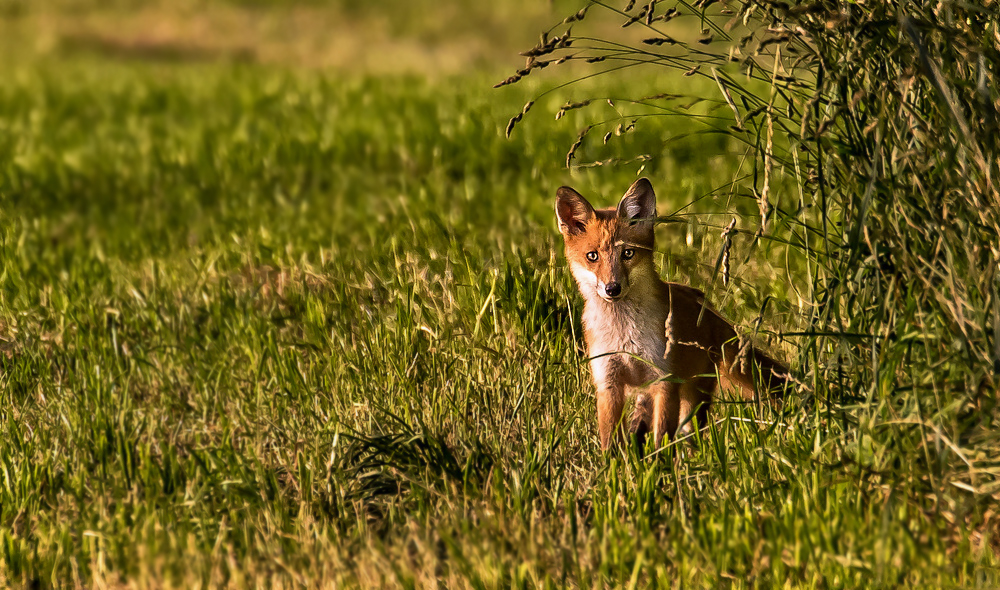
(277, 320)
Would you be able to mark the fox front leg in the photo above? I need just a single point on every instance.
(610, 403)
(642, 418)
(666, 409)
(695, 400)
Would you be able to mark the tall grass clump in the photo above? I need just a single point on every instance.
(871, 158)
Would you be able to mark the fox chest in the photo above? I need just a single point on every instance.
(627, 343)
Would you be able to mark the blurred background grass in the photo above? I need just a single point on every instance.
(421, 37)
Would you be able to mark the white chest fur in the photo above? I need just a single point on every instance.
(632, 327)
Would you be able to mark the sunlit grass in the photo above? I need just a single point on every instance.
(271, 329)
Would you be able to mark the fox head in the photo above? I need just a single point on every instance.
(610, 251)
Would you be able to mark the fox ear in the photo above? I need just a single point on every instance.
(639, 201)
(573, 211)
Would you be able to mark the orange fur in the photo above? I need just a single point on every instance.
(629, 313)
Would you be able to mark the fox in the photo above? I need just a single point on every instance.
(655, 340)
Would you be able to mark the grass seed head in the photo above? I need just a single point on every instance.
(579, 16)
(636, 18)
(727, 242)
(576, 144)
(664, 40)
(569, 106)
(510, 124)
(511, 80)
(650, 9)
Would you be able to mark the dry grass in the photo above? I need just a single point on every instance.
(395, 37)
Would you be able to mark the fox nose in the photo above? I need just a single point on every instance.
(613, 289)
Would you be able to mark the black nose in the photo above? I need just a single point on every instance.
(613, 289)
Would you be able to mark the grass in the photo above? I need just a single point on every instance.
(274, 327)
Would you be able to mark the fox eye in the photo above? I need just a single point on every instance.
(592, 256)
(628, 253)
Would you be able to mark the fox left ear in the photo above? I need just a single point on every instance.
(573, 211)
(639, 201)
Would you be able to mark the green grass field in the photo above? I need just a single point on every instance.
(277, 326)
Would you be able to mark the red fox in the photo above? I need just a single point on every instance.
(644, 335)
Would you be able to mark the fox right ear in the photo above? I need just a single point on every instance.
(573, 211)
(639, 201)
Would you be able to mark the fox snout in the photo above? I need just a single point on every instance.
(607, 277)
(601, 283)
(612, 290)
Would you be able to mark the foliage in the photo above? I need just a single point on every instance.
(871, 132)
